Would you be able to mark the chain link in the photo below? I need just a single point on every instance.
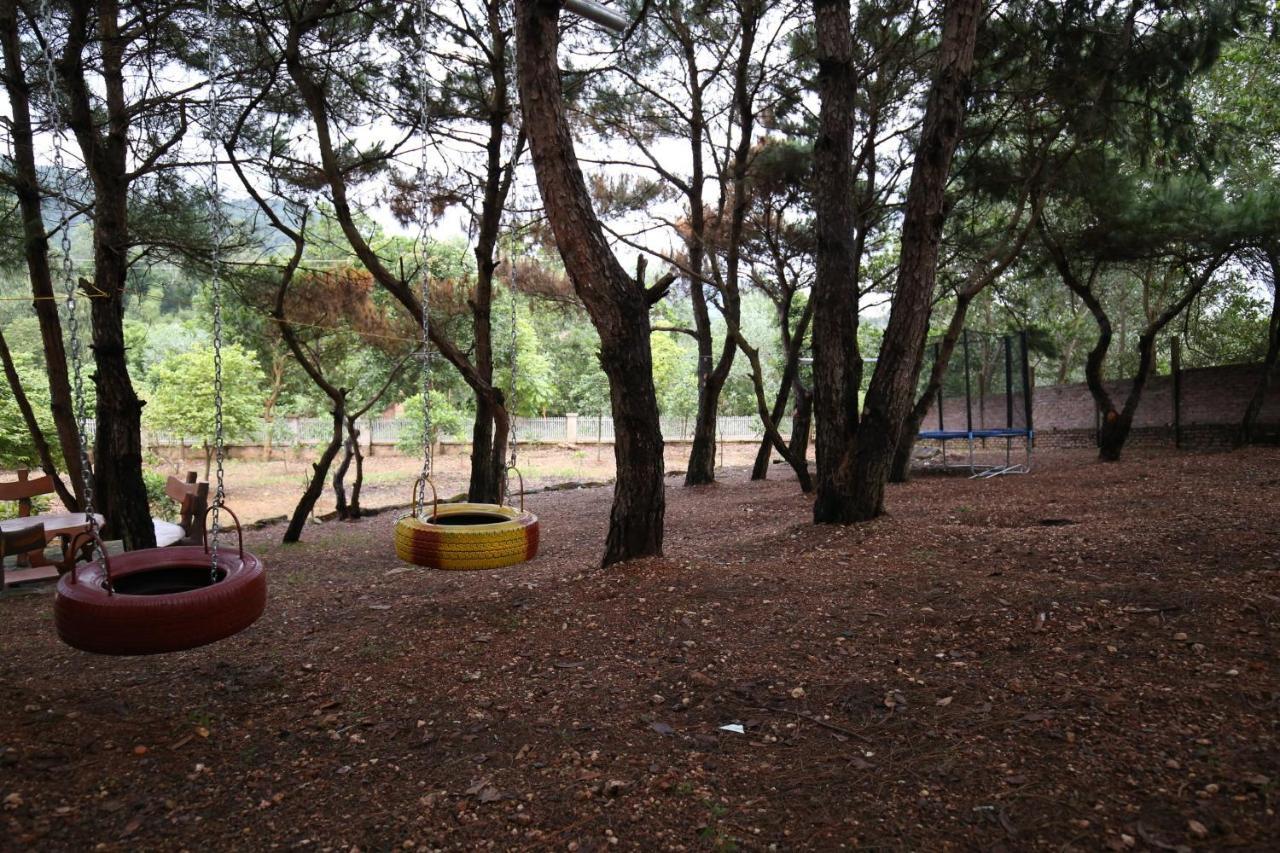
(67, 270)
(217, 232)
(424, 223)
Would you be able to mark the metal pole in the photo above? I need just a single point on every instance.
(598, 14)
(940, 384)
(1008, 382)
(1027, 402)
(1175, 353)
(1026, 382)
(968, 398)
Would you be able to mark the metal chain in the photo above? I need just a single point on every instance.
(59, 125)
(217, 228)
(512, 400)
(424, 219)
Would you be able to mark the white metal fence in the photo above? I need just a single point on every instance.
(559, 429)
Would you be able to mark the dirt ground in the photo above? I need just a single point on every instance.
(1081, 658)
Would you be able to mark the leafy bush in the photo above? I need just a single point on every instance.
(161, 505)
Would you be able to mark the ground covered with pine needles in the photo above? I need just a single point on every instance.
(1084, 657)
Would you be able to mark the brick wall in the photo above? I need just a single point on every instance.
(1213, 401)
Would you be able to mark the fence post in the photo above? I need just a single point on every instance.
(571, 428)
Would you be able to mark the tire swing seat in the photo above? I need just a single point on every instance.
(466, 536)
(159, 600)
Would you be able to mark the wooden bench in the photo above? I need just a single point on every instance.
(192, 499)
(45, 560)
(24, 489)
(15, 544)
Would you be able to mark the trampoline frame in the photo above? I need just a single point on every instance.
(1009, 432)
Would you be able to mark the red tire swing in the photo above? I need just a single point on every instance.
(160, 599)
(155, 600)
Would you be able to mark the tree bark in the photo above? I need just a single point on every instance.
(119, 490)
(837, 364)
(38, 441)
(1249, 424)
(617, 303)
(349, 511)
(1117, 423)
(26, 187)
(340, 487)
(357, 482)
(891, 391)
(764, 453)
(307, 503)
(801, 421)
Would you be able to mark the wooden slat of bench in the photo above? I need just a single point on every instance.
(13, 577)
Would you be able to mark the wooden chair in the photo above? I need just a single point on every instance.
(18, 543)
(25, 489)
(192, 499)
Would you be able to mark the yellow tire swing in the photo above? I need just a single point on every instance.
(464, 536)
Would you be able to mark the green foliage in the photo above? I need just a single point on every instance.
(535, 375)
(447, 421)
(181, 401)
(672, 371)
(16, 447)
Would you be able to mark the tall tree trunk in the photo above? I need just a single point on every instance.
(41, 446)
(492, 421)
(891, 391)
(26, 187)
(1093, 364)
(339, 474)
(711, 380)
(1115, 431)
(801, 421)
(770, 425)
(617, 302)
(120, 492)
(837, 364)
(357, 482)
(764, 453)
(319, 474)
(701, 468)
(1249, 424)
(789, 380)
